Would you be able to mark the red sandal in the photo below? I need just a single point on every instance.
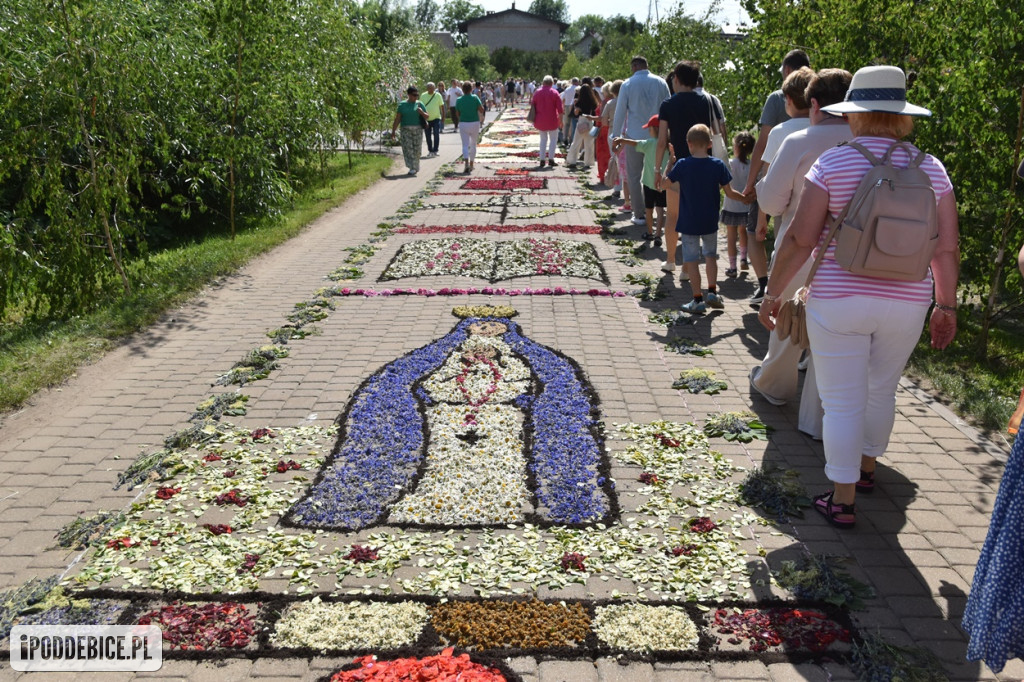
(839, 515)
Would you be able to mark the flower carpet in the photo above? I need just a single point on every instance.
(470, 502)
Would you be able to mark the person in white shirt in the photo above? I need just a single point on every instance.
(568, 96)
(453, 94)
(778, 193)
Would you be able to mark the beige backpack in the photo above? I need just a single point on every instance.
(890, 228)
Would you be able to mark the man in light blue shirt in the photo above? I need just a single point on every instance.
(639, 99)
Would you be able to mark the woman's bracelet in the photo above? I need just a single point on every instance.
(769, 299)
(946, 309)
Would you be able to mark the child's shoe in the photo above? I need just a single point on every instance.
(714, 300)
(694, 307)
(731, 272)
(744, 265)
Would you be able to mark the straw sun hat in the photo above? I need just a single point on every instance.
(877, 88)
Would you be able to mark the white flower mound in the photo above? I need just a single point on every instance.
(640, 627)
(351, 625)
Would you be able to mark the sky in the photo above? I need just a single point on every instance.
(730, 12)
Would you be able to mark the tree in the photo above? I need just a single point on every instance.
(427, 13)
(973, 130)
(507, 60)
(453, 13)
(555, 10)
(476, 62)
(581, 26)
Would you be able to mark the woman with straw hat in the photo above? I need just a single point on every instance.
(863, 329)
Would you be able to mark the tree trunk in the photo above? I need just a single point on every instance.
(988, 312)
(97, 190)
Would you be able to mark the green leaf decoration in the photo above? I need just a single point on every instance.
(257, 364)
(776, 491)
(820, 577)
(687, 347)
(83, 532)
(215, 407)
(873, 658)
(736, 426)
(700, 381)
(17, 601)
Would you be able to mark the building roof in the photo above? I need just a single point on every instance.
(464, 26)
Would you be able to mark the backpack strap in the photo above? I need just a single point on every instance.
(866, 153)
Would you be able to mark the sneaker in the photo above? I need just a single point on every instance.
(684, 276)
(571, 166)
(744, 265)
(657, 240)
(714, 300)
(731, 272)
(647, 236)
(551, 162)
(668, 267)
(802, 365)
(754, 372)
(639, 221)
(757, 298)
(694, 307)
(616, 193)
(626, 208)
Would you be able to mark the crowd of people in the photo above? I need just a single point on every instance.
(661, 146)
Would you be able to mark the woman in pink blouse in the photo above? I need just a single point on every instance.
(547, 119)
(862, 330)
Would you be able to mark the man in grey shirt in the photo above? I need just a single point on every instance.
(639, 99)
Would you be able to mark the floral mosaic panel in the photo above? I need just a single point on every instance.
(350, 625)
(496, 261)
(482, 427)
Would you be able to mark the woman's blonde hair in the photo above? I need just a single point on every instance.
(881, 124)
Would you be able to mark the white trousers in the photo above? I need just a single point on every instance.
(778, 375)
(860, 347)
(581, 139)
(548, 141)
(469, 133)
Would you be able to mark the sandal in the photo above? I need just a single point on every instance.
(839, 515)
(866, 484)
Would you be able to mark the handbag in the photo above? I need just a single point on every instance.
(791, 320)
(718, 148)
(532, 114)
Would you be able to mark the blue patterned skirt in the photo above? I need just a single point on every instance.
(995, 610)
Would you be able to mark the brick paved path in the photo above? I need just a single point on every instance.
(916, 542)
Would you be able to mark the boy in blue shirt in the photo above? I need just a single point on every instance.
(701, 178)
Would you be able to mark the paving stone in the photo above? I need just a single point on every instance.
(610, 670)
(567, 671)
(805, 672)
(917, 542)
(740, 670)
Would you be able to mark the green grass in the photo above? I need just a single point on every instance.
(982, 390)
(33, 357)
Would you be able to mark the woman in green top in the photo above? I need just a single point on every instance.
(471, 113)
(411, 114)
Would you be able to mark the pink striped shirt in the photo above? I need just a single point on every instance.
(838, 171)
